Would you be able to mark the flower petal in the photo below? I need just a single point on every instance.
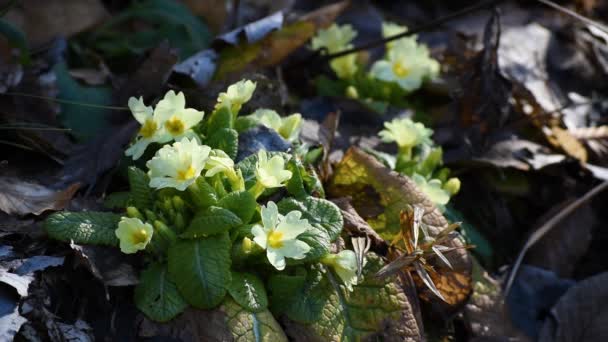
(276, 258)
(294, 249)
(291, 226)
(260, 235)
(270, 215)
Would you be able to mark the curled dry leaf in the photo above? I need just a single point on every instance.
(23, 198)
(371, 185)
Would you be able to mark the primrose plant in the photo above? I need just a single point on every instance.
(403, 69)
(419, 158)
(210, 230)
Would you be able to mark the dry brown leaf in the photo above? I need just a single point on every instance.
(42, 21)
(380, 195)
(562, 139)
(23, 198)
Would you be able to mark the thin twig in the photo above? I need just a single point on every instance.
(545, 228)
(575, 15)
(64, 101)
(421, 28)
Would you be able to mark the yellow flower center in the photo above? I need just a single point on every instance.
(140, 236)
(400, 70)
(186, 174)
(148, 129)
(275, 239)
(175, 126)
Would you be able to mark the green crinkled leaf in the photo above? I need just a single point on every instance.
(117, 200)
(318, 240)
(220, 119)
(295, 185)
(248, 291)
(242, 203)
(243, 123)
(201, 269)
(375, 307)
(213, 220)
(318, 212)
(86, 227)
(203, 195)
(157, 296)
(141, 193)
(225, 139)
(283, 288)
(248, 326)
(306, 304)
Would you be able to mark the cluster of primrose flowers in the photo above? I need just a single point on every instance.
(405, 66)
(419, 158)
(197, 192)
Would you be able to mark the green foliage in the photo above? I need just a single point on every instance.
(87, 227)
(220, 118)
(248, 291)
(225, 139)
(201, 269)
(319, 212)
(242, 203)
(141, 193)
(202, 195)
(157, 296)
(83, 123)
(171, 20)
(248, 326)
(15, 38)
(213, 220)
(295, 185)
(117, 200)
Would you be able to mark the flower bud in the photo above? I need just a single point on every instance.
(452, 186)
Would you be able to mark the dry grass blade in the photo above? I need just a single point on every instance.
(545, 228)
(397, 265)
(426, 279)
(441, 256)
(361, 246)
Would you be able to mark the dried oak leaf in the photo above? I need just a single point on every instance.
(379, 195)
(23, 198)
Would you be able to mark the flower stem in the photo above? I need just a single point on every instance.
(257, 190)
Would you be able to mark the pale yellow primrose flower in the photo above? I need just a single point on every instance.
(391, 29)
(218, 162)
(176, 118)
(133, 234)
(335, 39)
(178, 165)
(236, 95)
(408, 64)
(151, 128)
(291, 126)
(288, 127)
(278, 235)
(271, 173)
(406, 133)
(433, 190)
(345, 265)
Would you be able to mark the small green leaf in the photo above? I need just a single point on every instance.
(86, 227)
(248, 291)
(141, 193)
(248, 326)
(225, 139)
(220, 119)
(295, 185)
(213, 220)
(242, 203)
(157, 296)
(201, 269)
(306, 304)
(317, 211)
(203, 195)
